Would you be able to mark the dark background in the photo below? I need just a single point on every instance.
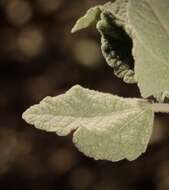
(39, 57)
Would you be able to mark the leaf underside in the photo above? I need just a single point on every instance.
(105, 126)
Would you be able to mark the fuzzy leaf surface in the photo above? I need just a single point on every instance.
(90, 18)
(111, 21)
(106, 126)
(150, 24)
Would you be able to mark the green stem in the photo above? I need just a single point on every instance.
(160, 107)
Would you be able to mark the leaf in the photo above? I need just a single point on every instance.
(147, 23)
(111, 19)
(106, 126)
(149, 20)
(90, 18)
(116, 47)
(118, 9)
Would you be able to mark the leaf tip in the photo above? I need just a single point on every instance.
(26, 114)
(74, 29)
(91, 17)
(29, 115)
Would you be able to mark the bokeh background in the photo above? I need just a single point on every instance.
(39, 57)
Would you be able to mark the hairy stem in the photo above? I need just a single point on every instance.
(160, 107)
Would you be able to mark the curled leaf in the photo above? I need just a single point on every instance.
(116, 45)
(134, 42)
(106, 126)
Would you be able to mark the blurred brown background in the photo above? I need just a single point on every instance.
(39, 57)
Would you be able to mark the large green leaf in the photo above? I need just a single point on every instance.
(149, 20)
(107, 126)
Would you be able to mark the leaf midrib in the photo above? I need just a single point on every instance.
(92, 116)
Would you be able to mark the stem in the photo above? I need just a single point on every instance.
(160, 107)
